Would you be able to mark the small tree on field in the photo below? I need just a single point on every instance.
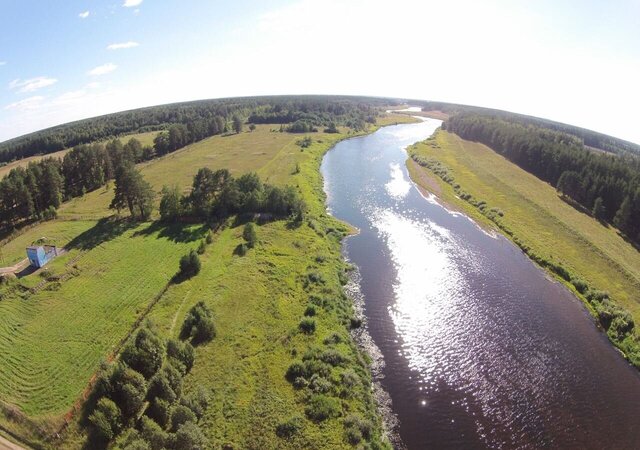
(190, 264)
(170, 206)
(599, 211)
(132, 192)
(237, 124)
(249, 234)
(198, 325)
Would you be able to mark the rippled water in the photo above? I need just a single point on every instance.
(481, 349)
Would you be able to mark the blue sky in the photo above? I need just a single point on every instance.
(572, 61)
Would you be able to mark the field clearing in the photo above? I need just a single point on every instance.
(258, 300)
(537, 215)
(53, 340)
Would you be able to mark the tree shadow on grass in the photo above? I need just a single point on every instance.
(175, 232)
(105, 230)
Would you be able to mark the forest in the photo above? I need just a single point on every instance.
(589, 138)
(199, 117)
(605, 184)
(36, 192)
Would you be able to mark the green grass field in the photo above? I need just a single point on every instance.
(536, 214)
(56, 338)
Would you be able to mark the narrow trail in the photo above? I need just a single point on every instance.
(6, 444)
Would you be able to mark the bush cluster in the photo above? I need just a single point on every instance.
(139, 401)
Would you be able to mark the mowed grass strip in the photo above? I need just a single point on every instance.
(53, 341)
(537, 215)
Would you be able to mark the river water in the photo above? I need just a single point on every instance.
(481, 349)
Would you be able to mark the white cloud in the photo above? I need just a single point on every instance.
(26, 104)
(84, 14)
(32, 84)
(131, 3)
(121, 45)
(103, 69)
(2, 63)
(93, 85)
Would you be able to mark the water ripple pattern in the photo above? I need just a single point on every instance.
(481, 349)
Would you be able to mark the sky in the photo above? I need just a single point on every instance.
(576, 62)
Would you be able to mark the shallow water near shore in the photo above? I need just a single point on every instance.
(481, 348)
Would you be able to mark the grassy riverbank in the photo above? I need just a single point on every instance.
(258, 302)
(572, 245)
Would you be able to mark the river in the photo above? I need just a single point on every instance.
(481, 349)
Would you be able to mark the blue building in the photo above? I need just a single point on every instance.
(41, 254)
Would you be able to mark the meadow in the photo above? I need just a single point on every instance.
(56, 334)
(535, 213)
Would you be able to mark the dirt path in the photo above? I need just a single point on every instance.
(15, 268)
(6, 444)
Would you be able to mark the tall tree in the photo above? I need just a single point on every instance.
(237, 124)
(133, 192)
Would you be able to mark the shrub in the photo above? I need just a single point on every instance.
(196, 401)
(333, 338)
(190, 437)
(290, 427)
(209, 238)
(319, 385)
(349, 381)
(355, 322)
(182, 352)
(190, 264)
(310, 311)
(153, 434)
(580, 285)
(321, 408)
(201, 248)
(166, 384)
(242, 249)
(249, 234)
(307, 326)
(145, 353)
(128, 390)
(106, 419)
(198, 326)
(295, 370)
(160, 411)
(363, 426)
(180, 415)
(333, 357)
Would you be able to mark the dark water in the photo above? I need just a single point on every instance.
(481, 349)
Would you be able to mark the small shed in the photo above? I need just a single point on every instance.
(41, 254)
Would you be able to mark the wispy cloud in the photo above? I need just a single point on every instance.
(121, 45)
(84, 14)
(2, 63)
(26, 104)
(131, 3)
(103, 69)
(32, 84)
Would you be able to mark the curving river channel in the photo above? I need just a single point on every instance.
(481, 349)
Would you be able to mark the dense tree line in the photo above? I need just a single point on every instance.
(197, 117)
(216, 194)
(35, 192)
(588, 137)
(139, 402)
(606, 184)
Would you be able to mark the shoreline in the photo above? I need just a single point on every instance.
(419, 174)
